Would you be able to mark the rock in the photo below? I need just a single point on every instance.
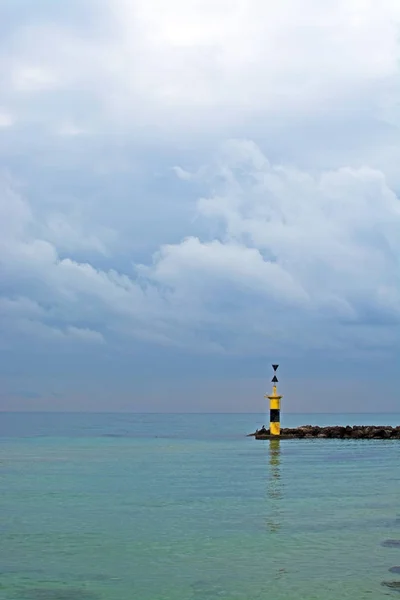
(391, 544)
(53, 593)
(356, 432)
(394, 569)
(393, 585)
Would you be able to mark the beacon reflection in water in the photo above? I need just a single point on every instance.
(275, 486)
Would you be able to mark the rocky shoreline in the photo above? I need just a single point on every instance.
(357, 432)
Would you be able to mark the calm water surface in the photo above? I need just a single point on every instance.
(185, 507)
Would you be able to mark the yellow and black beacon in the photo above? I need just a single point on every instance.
(274, 407)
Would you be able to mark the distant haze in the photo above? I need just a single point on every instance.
(191, 191)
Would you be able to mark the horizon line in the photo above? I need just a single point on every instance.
(132, 412)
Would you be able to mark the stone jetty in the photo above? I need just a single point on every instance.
(356, 432)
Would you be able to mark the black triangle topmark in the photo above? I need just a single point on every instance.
(275, 367)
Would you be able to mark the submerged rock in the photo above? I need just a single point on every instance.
(53, 593)
(393, 585)
(394, 570)
(391, 544)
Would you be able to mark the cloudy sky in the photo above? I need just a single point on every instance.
(191, 190)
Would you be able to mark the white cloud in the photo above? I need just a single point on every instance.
(20, 307)
(69, 129)
(307, 256)
(85, 334)
(257, 53)
(335, 234)
(42, 331)
(26, 78)
(303, 261)
(198, 268)
(6, 119)
(69, 234)
(205, 63)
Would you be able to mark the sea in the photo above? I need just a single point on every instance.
(186, 507)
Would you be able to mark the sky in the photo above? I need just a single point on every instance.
(192, 190)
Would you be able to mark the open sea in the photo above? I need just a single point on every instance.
(186, 507)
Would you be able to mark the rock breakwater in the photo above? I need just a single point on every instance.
(358, 432)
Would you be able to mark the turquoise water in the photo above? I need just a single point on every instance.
(185, 507)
